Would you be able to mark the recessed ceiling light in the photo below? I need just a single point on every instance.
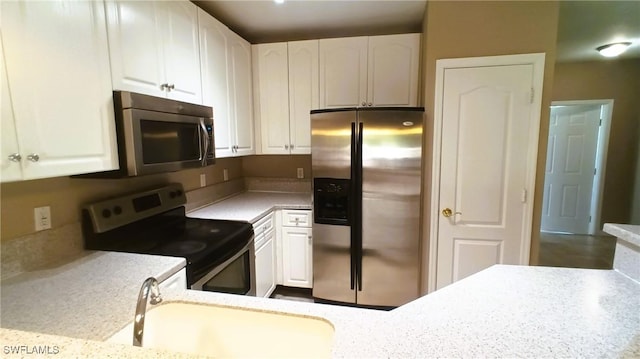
(278, 1)
(613, 50)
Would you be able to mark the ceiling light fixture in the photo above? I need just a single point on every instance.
(278, 1)
(613, 50)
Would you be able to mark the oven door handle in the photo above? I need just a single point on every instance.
(205, 137)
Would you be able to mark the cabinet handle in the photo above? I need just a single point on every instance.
(364, 103)
(15, 157)
(286, 147)
(172, 86)
(33, 157)
(370, 104)
(291, 146)
(164, 87)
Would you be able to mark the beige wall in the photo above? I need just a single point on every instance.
(66, 195)
(457, 29)
(276, 166)
(618, 80)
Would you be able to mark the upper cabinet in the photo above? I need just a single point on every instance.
(226, 86)
(57, 103)
(369, 71)
(241, 94)
(286, 87)
(343, 72)
(304, 93)
(154, 48)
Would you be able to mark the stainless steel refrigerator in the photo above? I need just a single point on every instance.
(366, 165)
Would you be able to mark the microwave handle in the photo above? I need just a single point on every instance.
(207, 141)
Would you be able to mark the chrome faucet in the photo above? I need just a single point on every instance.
(149, 285)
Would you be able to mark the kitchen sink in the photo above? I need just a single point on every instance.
(231, 332)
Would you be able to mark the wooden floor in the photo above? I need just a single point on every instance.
(576, 251)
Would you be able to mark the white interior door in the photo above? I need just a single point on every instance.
(571, 154)
(487, 125)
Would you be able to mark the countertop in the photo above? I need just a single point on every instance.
(628, 232)
(89, 297)
(251, 206)
(503, 311)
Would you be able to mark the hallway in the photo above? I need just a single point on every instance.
(576, 251)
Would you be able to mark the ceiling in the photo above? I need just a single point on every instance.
(583, 25)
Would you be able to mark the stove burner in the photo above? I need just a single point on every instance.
(183, 247)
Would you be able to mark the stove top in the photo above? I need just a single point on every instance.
(204, 243)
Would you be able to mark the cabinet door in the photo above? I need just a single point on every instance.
(135, 46)
(9, 160)
(57, 65)
(215, 80)
(273, 93)
(303, 92)
(297, 268)
(241, 94)
(265, 267)
(393, 70)
(343, 72)
(181, 50)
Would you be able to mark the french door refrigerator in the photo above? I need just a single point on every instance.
(366, 165)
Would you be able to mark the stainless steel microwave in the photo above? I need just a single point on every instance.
(157, 135)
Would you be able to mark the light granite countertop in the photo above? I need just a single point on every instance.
(503, 311)
(628, 232)
(253, 205)
(88, 297)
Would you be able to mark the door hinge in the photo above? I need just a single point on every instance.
(600, 123)
(589, 219)
(595, 170)
(532, 95)
(524, 195)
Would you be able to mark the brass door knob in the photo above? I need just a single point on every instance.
(447, 212)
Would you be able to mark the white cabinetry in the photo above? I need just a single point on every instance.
(241, 94)
(272, 103)
(369, 71)
(226, 86)
(265, 243)
(296, 238)
(304, 93)
(286, 87)
(57, 103)
(154, 48)
(178, 281)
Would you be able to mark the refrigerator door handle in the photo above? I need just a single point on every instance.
(352, 208)
(358, 200)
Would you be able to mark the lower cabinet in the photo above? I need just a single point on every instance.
(265, 243)
(296, 239)
(266, 265)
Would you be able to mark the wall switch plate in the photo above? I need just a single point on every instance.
(42, 218)
(300, 172)
(203, 180)
(225, 174)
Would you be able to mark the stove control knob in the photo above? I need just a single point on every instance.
(106, 213)
(172, 194)
(179, 193)
(117, 210)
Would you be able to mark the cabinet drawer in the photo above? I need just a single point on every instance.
(296, 218)
(263, 225)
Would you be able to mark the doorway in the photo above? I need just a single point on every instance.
(575, 167)
(570, 226)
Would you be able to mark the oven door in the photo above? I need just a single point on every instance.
(162, 142)
(235, 276)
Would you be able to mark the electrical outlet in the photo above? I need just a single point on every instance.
(203, 180)
(42, 218)
(300, 172)
(225, 174)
